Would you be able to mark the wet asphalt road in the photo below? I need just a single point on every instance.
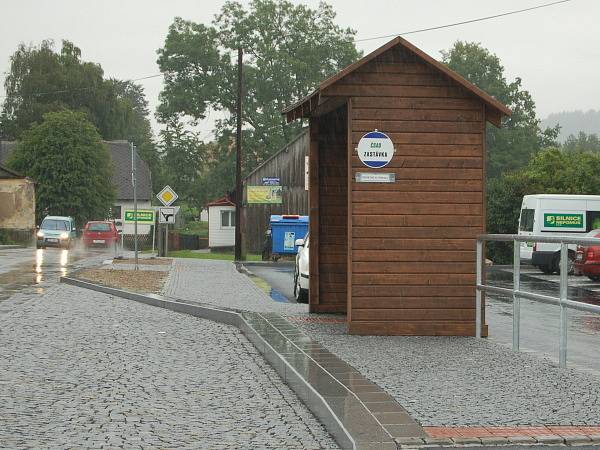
(539, 322)
(279, 275)
(27, 270)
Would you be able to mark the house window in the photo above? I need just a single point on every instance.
(115, 212)
(227, 219)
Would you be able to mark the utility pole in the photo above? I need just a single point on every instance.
(135, 215)
(238, 166)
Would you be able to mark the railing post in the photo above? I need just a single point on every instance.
(564, 286)
(516, 298)
(478, 280)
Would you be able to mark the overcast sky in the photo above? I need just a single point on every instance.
(556, 50)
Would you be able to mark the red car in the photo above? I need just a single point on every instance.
(587, 259)
(100, 234)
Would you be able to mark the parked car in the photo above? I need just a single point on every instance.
(301, 271)
(56, 231)
(552, 215)
(587, 259)
(100, 233)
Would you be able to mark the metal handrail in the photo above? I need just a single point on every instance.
(562, 301)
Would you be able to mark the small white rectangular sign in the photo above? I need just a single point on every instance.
(306, 173)
(166, 215)
(371, 177)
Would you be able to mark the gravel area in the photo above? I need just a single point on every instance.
(219, 283)
(150, 281)
(458, 381)
(83, 369)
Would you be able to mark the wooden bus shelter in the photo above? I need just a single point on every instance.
(397, 257)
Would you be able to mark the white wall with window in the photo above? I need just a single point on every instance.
(119, 209)
(221, 226)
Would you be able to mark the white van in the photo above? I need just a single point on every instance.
(552, 215)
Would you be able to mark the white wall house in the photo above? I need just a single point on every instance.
(221, 223)
(121, 206)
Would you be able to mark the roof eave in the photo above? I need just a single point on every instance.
(494, 112)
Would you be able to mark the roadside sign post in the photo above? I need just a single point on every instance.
(134, 182)
(167, 197)
(153, 234)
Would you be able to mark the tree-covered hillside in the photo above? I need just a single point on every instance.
(572, 122)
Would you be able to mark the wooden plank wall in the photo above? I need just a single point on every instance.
(332, 214)
(287, 164)
(413, 242)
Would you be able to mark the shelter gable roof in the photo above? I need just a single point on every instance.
(303, 107)
(223, 201)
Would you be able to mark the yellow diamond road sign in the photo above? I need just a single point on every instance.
(167, 196)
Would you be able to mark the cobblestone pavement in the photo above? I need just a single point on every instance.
(86, 370)
(441, 381)
(219, 283)
(467, 382)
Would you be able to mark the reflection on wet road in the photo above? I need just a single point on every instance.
(30, 270)
(279, 277)
(540, 322)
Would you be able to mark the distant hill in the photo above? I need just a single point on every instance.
(572, 122)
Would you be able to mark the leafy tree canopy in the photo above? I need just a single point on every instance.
(521, 136)
(288, 50)
(65, 156)
(583, 142)
(42, 80)
(184, 154)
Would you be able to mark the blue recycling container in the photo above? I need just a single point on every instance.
(285, 229)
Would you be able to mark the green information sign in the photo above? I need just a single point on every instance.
(143, 216)
(552, 220)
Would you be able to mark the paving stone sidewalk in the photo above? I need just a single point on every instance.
(82, 369)
(219, 283)
(443, 382)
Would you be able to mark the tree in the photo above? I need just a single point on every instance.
(551, 171)
(289, 49)
(41, 80)
(184, 155)
(72, 167)
(521, 136)
(137, 126)
(582, 142)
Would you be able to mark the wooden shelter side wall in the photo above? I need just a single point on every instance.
(332, 198)
(288, 165)
(413, 241)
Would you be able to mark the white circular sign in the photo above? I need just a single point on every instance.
(375, 149)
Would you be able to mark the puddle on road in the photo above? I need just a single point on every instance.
(266, 287)
(46, 265)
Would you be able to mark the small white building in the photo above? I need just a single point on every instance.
(221, 223)
(204, 215)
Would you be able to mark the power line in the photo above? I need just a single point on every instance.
(439, 27)
(64, 91)
(464, 22)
